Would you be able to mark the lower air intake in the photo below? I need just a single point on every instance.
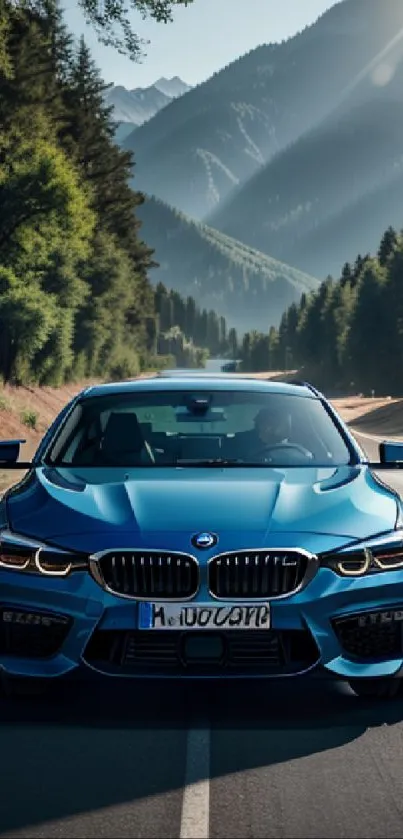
(260, 653)
(32, 634)
(371, 634)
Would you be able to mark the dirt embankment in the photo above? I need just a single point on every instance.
(26, 413)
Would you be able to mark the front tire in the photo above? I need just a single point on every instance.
(383, 688)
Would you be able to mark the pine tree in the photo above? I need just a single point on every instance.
(388, 244)
(390, 322)
(90, 136)
(359, 265)
(233, 347)
(107, 170)
(346, 274)
(191, 317)
(5, 58)
(29, 89)
(365, 345)
(273, 349)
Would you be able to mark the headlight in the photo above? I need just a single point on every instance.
(18, 553)
(373, 556)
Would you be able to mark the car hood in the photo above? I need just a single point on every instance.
(91, 509)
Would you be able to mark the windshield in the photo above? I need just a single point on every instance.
(206, 428)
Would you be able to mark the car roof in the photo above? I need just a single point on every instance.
(203, 381)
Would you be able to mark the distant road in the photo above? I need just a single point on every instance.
(291, 759)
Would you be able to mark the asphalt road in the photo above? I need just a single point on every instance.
(292, 759)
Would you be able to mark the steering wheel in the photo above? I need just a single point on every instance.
(293, 446)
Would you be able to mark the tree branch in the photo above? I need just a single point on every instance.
(111, 21)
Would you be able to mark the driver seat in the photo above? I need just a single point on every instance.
(123, 443)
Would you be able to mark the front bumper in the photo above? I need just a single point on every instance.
(79, 625)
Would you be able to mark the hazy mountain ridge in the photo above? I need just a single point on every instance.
(140, 104)
(209, 142)
(245, 286)
(316, 179)
(173, 87)
(334, 241)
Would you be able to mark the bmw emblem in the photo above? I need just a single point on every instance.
(203, 541)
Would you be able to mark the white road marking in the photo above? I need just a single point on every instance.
(196, 794)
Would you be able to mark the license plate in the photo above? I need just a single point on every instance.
(203, 616)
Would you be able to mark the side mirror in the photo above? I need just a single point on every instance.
(391, 452)
(10, 450)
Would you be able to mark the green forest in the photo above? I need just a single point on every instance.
(348, 335)
(246, 286)
(75, 297)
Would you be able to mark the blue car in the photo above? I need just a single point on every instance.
(187, 526)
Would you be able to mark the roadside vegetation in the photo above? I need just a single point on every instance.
(348, 335)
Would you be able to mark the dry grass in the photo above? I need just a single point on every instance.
(17, 404)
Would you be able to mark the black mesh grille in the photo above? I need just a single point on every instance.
(369, 636)
(155, 574)
(32, 634)
(250, 574)
(202, 653)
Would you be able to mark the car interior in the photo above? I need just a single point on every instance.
(140, 437)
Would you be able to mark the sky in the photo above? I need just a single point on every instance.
(203, 38)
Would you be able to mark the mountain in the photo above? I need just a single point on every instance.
(135, 107)
(172, 87)
(248, 288)
(205, 145)
(329, 195)
(355, 229)
(122, 130)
